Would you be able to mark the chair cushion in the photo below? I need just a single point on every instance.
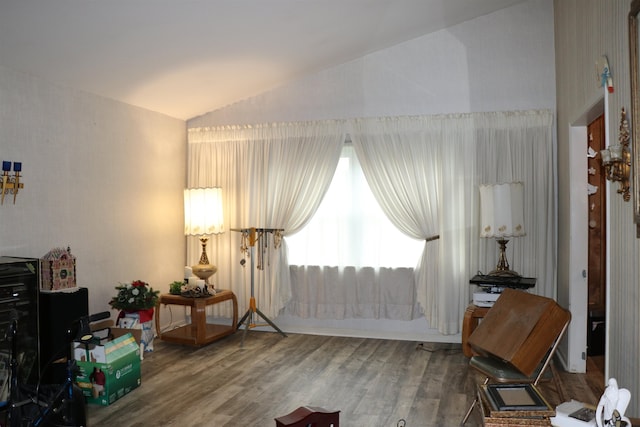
(503, 372)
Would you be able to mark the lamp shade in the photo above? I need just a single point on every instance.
(203, 211)
(502, 210)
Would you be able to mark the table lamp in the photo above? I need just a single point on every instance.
(203, 216)
(502, 217)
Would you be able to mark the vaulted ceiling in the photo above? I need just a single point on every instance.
(185, 58)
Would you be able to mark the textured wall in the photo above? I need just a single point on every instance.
(104, 177)
(585, 30)
(498, 62)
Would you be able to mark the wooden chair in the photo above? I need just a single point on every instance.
(517, 339)
(308, 416)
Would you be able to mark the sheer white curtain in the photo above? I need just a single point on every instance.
(419, 169)
(350, 261)
(272, 176)
(349, 228)
(425, 172)
(275, 175)
(519, 146)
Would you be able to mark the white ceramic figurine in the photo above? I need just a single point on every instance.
(613, 403)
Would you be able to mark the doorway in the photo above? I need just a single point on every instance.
(596, 309)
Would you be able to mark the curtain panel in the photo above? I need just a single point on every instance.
(272, 176)
(337, 293)
(419, 169)
(424, 172)
(519, 146)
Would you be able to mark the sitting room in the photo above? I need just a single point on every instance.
(352, 158)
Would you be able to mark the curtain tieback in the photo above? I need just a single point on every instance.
(432, 238)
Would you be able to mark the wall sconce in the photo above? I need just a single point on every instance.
(10, 182)
(203, 216)
(502, 216)
(617, 159)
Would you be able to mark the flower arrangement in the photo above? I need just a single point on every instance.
(137, 295)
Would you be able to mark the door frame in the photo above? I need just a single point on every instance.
(575, 293)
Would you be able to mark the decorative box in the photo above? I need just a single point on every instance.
(58, 269)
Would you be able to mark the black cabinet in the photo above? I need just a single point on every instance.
(19, 282)
(43, 319)
(58, 311)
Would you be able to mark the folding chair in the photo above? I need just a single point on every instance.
(517, 339)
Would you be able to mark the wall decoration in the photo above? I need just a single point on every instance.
(635, 110)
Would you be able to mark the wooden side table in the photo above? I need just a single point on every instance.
(472, 316)
(199, 332)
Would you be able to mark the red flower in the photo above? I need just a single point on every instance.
(138, 284)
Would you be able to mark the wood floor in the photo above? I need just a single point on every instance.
(373, 382)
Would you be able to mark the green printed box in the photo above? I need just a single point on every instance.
(109, 371)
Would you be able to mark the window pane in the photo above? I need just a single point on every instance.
(350, 228)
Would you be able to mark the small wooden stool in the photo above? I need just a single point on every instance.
(309, 416)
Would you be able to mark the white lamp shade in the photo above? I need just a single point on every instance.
(502, 210)
(203, 211)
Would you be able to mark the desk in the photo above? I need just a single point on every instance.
(199, 332)
(472, 316)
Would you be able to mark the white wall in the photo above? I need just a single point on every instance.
(498, 62)
(100, 176)
(585, 31)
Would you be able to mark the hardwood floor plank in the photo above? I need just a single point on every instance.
(374, 383)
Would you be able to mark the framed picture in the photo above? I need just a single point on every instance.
(515, 397)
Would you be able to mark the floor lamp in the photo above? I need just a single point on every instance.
(252, 237)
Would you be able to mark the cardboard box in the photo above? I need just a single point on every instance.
(108, 371)
(104, 332)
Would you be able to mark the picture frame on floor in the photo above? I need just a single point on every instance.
(515, 397)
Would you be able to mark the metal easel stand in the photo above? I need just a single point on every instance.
(253, 313)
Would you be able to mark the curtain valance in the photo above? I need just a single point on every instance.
(265, 131)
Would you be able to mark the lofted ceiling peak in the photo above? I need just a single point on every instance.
(186, 58)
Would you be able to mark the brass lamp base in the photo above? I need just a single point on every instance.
(204, 271)
(504, 273)
(502, 269)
